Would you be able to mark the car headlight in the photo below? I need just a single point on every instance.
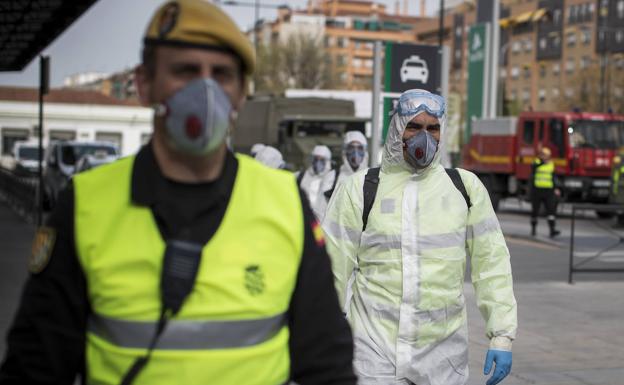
(601, 183)
(573, 183)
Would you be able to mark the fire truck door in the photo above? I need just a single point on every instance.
(528, 142)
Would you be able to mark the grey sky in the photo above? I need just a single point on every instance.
(107, 38)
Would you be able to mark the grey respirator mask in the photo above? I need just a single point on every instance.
(318, 165)
(421, 148)
(197, 117)
(355, 156)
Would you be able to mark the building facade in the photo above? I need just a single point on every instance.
(547, 49)
(347, 30)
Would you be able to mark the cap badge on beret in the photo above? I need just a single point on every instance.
(168, 19)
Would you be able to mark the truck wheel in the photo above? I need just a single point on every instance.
(604, 214)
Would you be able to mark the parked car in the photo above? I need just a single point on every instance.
(62, 162)
(25, 160)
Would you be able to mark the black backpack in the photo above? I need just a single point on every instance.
(371, 182)
(329, 192)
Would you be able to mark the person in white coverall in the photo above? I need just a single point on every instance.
(401, 279)
(270, 156)
(310, 180)
(255, 149)
(354, 158)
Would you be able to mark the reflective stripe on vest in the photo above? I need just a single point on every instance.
(187, 335)
(232, 327)
(544, 175)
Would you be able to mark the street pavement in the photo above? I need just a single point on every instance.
(568, 334)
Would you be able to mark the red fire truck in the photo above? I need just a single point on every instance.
(501, 151)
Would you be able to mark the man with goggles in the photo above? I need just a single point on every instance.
(399, 258)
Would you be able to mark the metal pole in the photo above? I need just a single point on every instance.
(44, 67)
(571, 266)
(493, 74)
(441, 29)
(375, 126)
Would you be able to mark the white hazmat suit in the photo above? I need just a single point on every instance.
(344, 171)
(311, 181)
(401, 280)
(270, 156)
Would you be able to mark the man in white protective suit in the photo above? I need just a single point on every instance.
(399, 241)
(310, 179)
(354, 158)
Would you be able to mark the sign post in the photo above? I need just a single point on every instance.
(476, 106)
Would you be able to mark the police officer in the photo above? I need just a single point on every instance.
(543, 191)
(185, 263)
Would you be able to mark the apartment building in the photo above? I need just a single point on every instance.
(347, 29)
(545, 46)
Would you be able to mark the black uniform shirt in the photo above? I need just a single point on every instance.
(46, 342)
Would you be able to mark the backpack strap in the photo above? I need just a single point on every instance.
(371, 182)
(300, 177)
(329, 192)
(459, 184)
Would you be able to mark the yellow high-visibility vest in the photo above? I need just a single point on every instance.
(544, 175)
(232, 328)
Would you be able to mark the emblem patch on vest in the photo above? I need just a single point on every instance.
(41, 249)
(254, 280)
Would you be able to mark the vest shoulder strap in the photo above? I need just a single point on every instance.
(371, 182)
(459, 184)
(330, 192)
(300, 177)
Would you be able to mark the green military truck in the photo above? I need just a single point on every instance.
(295, 125)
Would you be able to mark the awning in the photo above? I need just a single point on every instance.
(28, 27)
(523, 17)
(539, 14)
(506, 22)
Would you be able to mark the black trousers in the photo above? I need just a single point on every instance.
(547, 197)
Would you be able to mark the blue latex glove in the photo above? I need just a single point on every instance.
(503, 365)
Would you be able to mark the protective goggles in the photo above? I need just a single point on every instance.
(414, 102)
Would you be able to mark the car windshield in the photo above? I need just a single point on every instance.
(28, 153)
(413, 64)
(71, 154)
(598, 134)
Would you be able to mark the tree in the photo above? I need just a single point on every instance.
(584, 90)
(299, 62)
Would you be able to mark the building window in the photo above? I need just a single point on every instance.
(557, 16)
(528, 45)
(458, 31)
(542, 43)
(556, 69)
(619, 36)
(620, 9)
(585, 62)
(571, 39)
(570, 65)
(356, 63)
(527, 72)
(542, 69)
(569, 92)
(542, 95)
(619, 63)
(515, 47)
(585, 36)
(555, 92)
(513, 95)
(526, 95)
(368, 63)
(503, 73)
(571, 14)
(556, 42)
(515, 72)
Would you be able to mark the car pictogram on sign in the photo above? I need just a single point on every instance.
(414, 68)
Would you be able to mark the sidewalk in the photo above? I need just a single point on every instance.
(568, 335)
